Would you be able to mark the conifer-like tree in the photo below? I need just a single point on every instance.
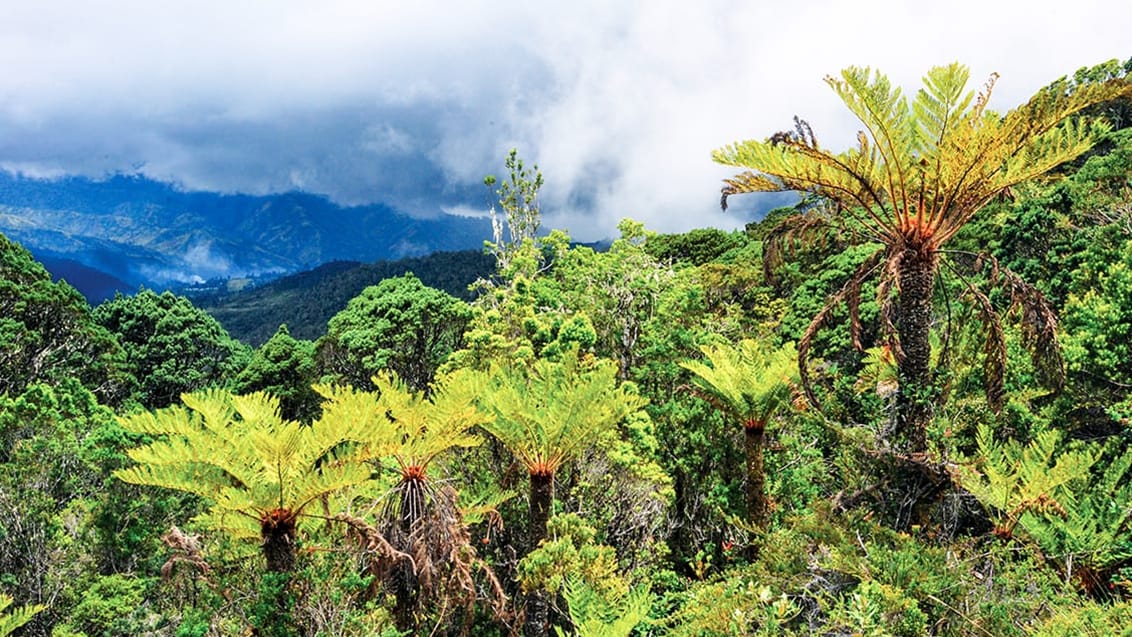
(748, 383)
(921, 170)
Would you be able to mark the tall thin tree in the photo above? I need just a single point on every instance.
(546, 415)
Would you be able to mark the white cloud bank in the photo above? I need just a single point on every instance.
(411, 103)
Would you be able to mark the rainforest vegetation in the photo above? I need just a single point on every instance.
(899, 407)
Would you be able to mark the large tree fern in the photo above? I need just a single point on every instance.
(258, 472)
(748, 383)
(920, 171)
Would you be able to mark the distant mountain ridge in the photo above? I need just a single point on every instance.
(136, 231)
(307, 300)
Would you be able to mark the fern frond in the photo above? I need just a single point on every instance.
(596, 615)
(14, 618)
(1013, 479)
(547, 414)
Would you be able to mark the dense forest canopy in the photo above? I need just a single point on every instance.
(900, 407)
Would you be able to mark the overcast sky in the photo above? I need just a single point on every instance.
(412, 103)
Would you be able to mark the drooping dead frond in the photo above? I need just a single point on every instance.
(1038, 320)
(370, 539)
(886, 300)
(186, 550)
(810, 229)
(994, 349)
(849, 293)
(1039, 329)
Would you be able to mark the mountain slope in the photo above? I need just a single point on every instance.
(306, 301)
(146, 232)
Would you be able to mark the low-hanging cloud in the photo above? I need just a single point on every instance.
(619, 103)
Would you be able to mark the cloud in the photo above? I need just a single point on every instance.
(620, 103)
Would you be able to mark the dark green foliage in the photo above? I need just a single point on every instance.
(286, 368)
(46, 332)
(401, 325)
(111, 605)
(306, 301)
(171, 346)
(272, 614)
(695, 247)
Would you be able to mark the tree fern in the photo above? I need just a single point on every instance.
(919, 172)
(748, 383)
(258, 471)
(13, 618)
(417, 518)
(1014, 480)
(547, 413)
(1076, 508)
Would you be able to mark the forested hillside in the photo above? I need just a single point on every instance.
(306, 301)
(900, 407)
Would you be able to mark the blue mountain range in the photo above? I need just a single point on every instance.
(126, 231)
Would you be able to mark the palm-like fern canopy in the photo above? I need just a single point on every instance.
(922, 168)
(747, 381)
(239, 454)
(548, 413)
(423, 427)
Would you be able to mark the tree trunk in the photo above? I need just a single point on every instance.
(405, 583)
(542, 498)
(915, 401)
(755, 438)
(277, 530)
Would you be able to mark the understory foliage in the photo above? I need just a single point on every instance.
(622, 441)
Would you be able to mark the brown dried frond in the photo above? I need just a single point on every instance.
(813, 228)
(852, 286)
(994, 349)
(424, 525)
(370, 539)
(1038, 323)
(801, 136)
(186, 550)
(886, 300)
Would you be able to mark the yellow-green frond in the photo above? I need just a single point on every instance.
(13, 618)
(548, 413)
(423, 427)
(244, 459)
(920, 171)
(747, 381)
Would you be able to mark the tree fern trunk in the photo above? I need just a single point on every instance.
(405, 583)
(542, 498)
(277, 530)
(915, 402)
(755, 439)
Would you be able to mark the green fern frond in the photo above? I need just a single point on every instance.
(251, 465)
(14, 618)
(1015, 480)
(749, 382)
(595, 615)
(547, 414)
(1095, 530)
(423, 427)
